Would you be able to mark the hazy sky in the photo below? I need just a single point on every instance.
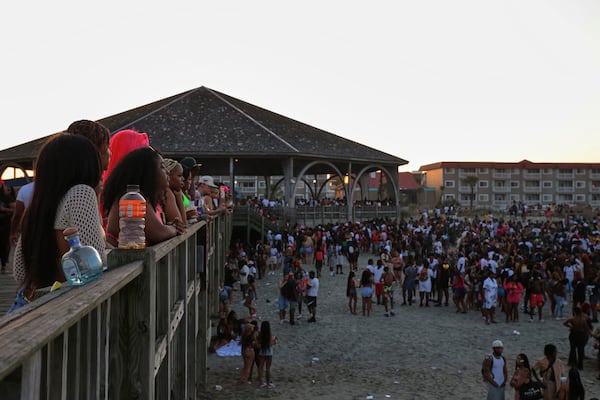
(426, 81)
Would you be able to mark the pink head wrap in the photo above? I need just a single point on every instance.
(122, 143)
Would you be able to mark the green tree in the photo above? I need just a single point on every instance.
(471, 180)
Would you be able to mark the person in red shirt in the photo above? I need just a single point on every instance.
(319, 255)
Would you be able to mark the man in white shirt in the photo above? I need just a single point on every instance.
(490, 296)
(311, 295)
(493, 264)
(370, 266)
(461, 263)
(244, 271)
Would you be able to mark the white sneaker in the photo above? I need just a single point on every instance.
(298, 316)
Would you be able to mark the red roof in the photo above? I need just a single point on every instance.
(406, 180)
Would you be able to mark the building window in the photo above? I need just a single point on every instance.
(547, 184)
(499, 198)
(262, 184)
(467, 170)
(483, 198)
(514, 184)
(595, 170)
(532, 184)
(580, 198)
(547, 171)
(547, 198)
(580, 184)
(483, 184)
(449, 170)
(565, 171)
(564, 198)
(483, 170)
(565, 184)
(448, 197)
(465, 197)
(580, 171)
(449, 184)
(515, 197)
(532, 197)
(533, 171)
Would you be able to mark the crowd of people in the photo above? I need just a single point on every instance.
(79, 178)
(499, 269)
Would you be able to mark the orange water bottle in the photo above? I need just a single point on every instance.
(132, 219)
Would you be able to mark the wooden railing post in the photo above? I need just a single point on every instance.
(139, 331)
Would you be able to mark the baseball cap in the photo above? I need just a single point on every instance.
(208, 180)
(189, 162)
(497, 343)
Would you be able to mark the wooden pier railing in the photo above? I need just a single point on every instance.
(140, 332)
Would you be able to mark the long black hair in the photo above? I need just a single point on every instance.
(139, 167)
(576, 389)
(264, 336)
(65, 160)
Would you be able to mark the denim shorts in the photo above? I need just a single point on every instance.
(366, 291)
(283, 303)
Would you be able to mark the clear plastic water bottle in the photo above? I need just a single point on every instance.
(81, 264)
(132, 219)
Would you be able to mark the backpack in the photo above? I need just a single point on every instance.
(484, 366)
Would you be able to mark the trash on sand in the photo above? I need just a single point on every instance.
(218, 388)
(516, 332)
(369, 397)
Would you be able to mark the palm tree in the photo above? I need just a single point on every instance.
(471, 180)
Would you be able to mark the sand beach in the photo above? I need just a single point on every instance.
(420, 353)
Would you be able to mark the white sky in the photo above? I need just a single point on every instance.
(426, 81)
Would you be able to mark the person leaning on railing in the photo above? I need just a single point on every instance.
(67, 174)
(141, 167)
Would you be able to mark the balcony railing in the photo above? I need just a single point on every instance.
(565, 189)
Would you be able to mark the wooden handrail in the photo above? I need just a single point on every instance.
(141, 331)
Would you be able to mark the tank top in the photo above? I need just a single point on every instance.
(498, 369)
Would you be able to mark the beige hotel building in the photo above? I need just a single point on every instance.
(497, 185)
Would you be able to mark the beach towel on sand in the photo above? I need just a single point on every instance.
(233, 348)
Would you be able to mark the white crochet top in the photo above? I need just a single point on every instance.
(78, 209)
